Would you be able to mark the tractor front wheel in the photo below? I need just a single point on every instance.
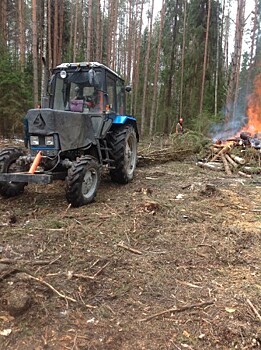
(123, 144)
(83, 181)
(8, 158)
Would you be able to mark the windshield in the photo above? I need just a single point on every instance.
(80, 91)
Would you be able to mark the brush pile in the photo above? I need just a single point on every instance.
(162, 149)
(240, 156)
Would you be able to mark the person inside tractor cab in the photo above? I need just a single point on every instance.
(78, 93)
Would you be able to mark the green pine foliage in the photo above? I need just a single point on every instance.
(16, 96)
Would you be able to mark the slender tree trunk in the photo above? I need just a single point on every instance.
(155, 86)
(44, 67)
(21, 15)
(3, 22)
(205, 59)
(253, 42)
(146, 68)
(240, 31)
(183, 59)
(169, 90)
(136, 79)
(114, 36)
(61, 29)
(235, 63)
(89, 32)
(56, 33)
(35, 52)
(49, 34)
(98, 32)
(75, 31)
(130, 40)
(217, 61)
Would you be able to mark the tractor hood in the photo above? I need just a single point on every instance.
(75, 130)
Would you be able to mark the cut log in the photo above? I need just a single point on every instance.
(224, 150)
(251, 170)
(231, 161)
(241, 173)
(226, 165)
(212, 166)
(238, 159)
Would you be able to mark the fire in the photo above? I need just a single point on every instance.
(253, 125)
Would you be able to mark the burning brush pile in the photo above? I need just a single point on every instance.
(240, 155)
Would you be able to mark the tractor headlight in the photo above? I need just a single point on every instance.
(49, 141)
(34, 140)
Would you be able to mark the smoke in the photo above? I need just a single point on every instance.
(226, 130)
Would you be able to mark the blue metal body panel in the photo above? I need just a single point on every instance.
(121, 119)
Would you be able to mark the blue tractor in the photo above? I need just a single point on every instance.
(80, 129)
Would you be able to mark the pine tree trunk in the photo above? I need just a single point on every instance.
(137, 69)
(49, 34)
(146, 68)
(240, 31)
(205, 59)
(21, 15)
(183, 59)
(155, 86)
(56, 33)
(253, 42)
(232, 94)
(217, 61)
(130, 40)
(114, 36)
(61, 30)
(169, 90)
(98, 33)
(3, 22)
(89, 32)
(75, 31)
(35, 52)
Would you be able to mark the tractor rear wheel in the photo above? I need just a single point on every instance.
(8, 158)
(123, 144)
(83, 181)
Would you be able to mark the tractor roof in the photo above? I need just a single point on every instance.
(86, 65)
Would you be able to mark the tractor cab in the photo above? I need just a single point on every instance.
(85, 88)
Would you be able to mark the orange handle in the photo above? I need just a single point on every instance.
(36, 162)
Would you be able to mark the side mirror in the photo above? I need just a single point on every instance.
(128, 88)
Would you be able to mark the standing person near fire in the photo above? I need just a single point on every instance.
(179, 126)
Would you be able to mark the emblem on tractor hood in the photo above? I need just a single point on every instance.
(39, 122)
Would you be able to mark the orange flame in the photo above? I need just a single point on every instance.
(253, 125)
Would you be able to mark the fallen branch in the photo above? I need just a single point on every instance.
(254, 309)
(35, 262)
(135, 251)
(175, 310)
(40, 280)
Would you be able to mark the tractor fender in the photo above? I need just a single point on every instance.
(126, 119)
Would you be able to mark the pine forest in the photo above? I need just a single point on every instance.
(195, 59)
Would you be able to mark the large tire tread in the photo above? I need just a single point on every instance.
(75, 178)
(117, 143)
(8, 156)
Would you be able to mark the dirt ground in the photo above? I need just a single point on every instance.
(169, 261)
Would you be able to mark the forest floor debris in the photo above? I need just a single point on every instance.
(169, 261)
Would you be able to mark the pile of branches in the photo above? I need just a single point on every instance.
(172, 148)
(233, 158)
